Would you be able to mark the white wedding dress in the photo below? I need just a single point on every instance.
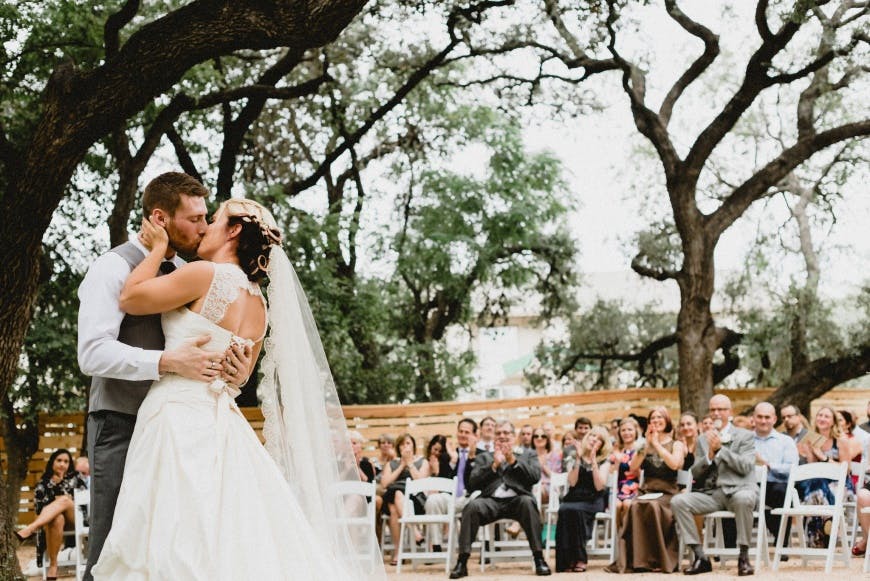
(201, 498)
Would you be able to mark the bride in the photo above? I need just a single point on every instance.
(202, 499)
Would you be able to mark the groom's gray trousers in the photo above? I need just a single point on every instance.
(741, 502)
(109, 436)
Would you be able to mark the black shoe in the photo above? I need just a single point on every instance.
(743, 567)
(459, 571)
(541, 567)
(436, 548)
(699, 566)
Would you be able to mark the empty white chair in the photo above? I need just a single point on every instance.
(409, 520)
(362, 519)
(558, 487)
(850, 506)
(604, 527)
(792, 507)
(714, 533)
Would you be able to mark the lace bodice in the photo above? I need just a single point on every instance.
(224, 290)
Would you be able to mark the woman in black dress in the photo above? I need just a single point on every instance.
(586, 495)
(393, 478)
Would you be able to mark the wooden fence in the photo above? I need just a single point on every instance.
(427, 419)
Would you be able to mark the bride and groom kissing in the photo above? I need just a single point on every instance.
(181, 486)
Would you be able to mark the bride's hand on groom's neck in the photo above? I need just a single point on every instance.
(153, 234)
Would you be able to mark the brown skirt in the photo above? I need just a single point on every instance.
(647, 539)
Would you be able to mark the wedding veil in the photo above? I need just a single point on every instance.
(304, 428)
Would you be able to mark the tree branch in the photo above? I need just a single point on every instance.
(774, 171)
(711, 51)
(183, 155)
(659, 275)
(644, 354)
(114, 24)
(761, 21)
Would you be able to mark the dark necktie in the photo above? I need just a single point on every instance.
(460, 472)
(166, 267)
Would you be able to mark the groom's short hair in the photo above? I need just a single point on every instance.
(164, 192)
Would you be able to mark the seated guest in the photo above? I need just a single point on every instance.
(647, 536)
(794, 422)
(55, 509)
(437, 456)
(689, 437)
(459, 466)
(779, 453)
(582, 426)
(819, 490)
(83, 467)
(570, 444)
(549, 459)
(505, 479)
(614, 429)
(526, 433)
(706, 423)
(486, 441)
(586, 495)
(854, 445)
(724, 472)
(627, 443)
(393, 478)
(364, 465)
(550, 429)
(386, 453)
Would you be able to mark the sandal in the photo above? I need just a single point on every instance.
(578, 568)
(858, 552)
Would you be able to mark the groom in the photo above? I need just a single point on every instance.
(124, 354)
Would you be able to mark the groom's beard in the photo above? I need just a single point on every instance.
(183, 245)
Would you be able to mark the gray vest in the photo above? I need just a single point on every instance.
(145, 331)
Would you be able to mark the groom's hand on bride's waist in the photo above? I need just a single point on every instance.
(192, 361)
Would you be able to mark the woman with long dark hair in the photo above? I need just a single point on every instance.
(55, 510)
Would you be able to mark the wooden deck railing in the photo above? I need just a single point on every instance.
(427, 419)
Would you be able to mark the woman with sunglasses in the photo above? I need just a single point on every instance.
(549, 459)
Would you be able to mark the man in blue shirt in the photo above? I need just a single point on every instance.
(779, 453)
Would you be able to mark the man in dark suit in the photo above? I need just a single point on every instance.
(505, 478)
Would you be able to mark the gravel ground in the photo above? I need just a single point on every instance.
(791, 571)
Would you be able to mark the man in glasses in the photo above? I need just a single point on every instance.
(505, 478)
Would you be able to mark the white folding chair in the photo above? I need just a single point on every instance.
(850, 506)
(82, 500)
(866, 510)
(558, 488)
(792, 507)
(684, 483)
(604, 527)
(714, 532)
(361, 519)
(409, 520)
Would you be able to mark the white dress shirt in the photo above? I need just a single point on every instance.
(99, 351)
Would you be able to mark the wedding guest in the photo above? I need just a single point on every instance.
(83, 467)
(55, 509)
(550, 429)
(526, 433)
(587, 478)
(647, 537)
(582, 426)
(831, 448)
(627, 442)
(486, 441)
(437, 456)
(386, 453)
(393, 478)
(706, 423)
(549, 459)
(724, 473)
(689, 432)
(794, 422)
(863, 501)
(614, 429)
(505, 479)
(570, 444)
(461, 461)
(779, 453)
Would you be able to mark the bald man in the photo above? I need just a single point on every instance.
(724, 472)
(779, 453)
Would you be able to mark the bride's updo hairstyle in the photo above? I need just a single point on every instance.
(259, 233)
